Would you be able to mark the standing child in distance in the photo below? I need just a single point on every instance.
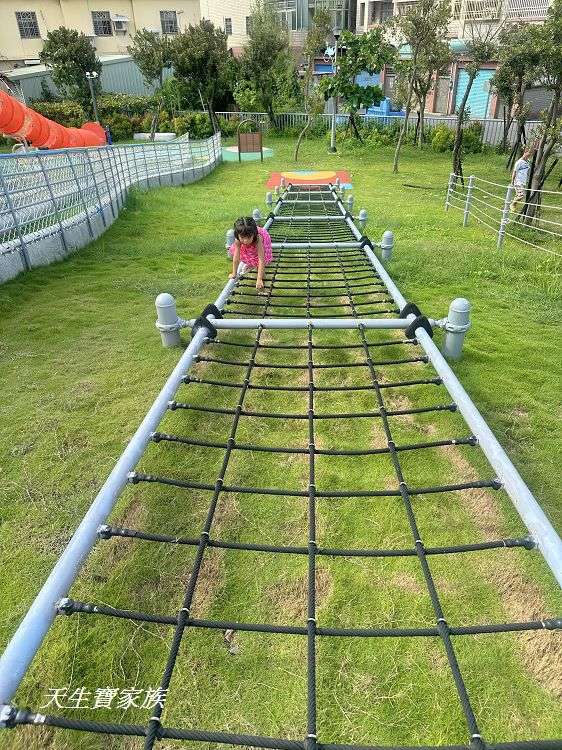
(519, 178)
(252, 246)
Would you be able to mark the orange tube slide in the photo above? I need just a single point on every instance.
(19, 121)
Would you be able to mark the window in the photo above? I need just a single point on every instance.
(27, 24)
(362, 14)
(101, 20)
(169, 21)
(387, 11)
(228, 25)
(248, 24)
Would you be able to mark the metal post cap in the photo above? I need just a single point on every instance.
(165, 300)
(387, 239)
(363, 215)
(459, 305)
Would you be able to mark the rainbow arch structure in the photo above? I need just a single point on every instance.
(19, 121)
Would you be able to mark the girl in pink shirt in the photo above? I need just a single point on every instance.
(252, 246)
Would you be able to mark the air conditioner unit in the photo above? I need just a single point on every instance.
(120, 24)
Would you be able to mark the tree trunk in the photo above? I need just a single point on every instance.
(521, 118)
(271, 113)
(301, 136)
(213, 117)
(457, 146)
(155, 119)
(421, 121)
(507, 122)
(353, 124)
(405, 123)
(547, 143)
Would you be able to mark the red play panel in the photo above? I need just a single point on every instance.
(309, 177)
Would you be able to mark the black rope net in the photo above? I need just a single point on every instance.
(334, 427)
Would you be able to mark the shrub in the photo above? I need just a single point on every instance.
(228, 127)
(67, 113)
(381, 137)
(125, 104)
(180, 125)
(442, 138)
(120, 125)
(472, 138)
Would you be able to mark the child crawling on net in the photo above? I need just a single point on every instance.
(252, 246)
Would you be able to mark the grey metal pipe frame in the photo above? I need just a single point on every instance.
(293, 323)
(543, 533)
(335, 217)
(318, 245)
(28, 637)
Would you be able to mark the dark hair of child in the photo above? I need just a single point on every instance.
(245, 226)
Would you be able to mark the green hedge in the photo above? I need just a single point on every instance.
(67, 113)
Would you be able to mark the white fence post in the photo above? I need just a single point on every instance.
(468, 200)
(505, 215)
(449, 188)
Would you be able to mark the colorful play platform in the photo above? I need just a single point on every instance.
(310, 177)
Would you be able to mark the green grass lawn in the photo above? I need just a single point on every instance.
(81, 363)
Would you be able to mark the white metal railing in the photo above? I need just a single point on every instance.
(492, 129)
(526, 9)
(499, 208)
(45, 192)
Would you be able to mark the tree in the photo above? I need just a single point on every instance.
(152, 54)
(266, 61)
(200, 56)
(480, 48)
(314, 43)
(503, 83)
(69, 55)
(549, 49)
(422, 28)
(435, 56)
(519, 59)
(366, 52)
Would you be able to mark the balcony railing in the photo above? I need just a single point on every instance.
(495, 10)
(527, 10)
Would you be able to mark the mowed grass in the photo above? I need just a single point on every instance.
(81, 363)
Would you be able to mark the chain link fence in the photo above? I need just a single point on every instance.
(492, 129)
(53, 202)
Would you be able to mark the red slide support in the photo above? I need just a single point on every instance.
(19, 121)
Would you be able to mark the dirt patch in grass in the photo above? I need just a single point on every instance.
(408, 583)
(522, 601)
(540, 651)
(211, 572)
(290, 595)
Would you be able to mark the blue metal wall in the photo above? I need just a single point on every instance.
(479, 93)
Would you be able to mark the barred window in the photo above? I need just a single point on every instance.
(248, 24)
(228, 25)
(169, 21)
(101, 21)
(27, 24)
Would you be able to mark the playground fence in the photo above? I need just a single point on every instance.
(54, 202)
(492, 129)
(491, 203)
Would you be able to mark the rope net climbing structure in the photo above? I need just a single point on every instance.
(330, 427)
